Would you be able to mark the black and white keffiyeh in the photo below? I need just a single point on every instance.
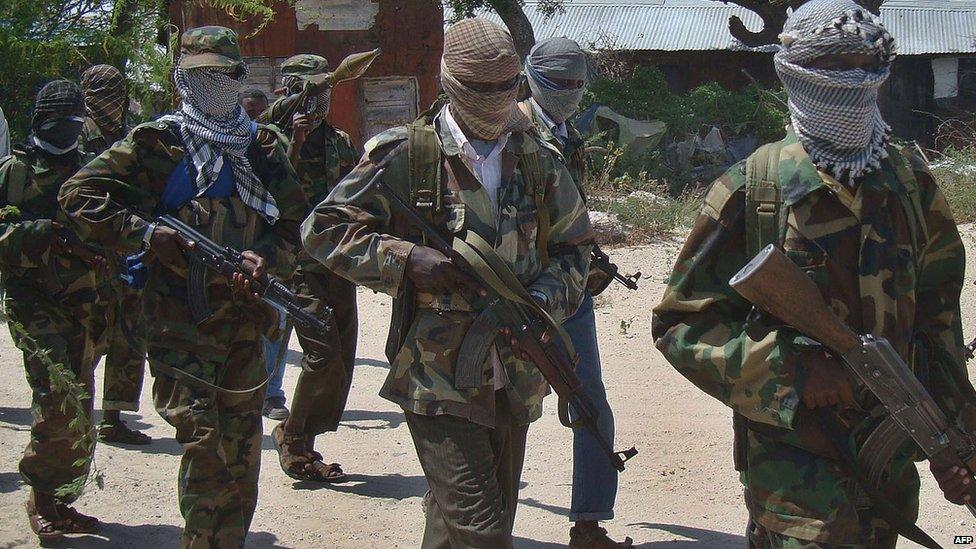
(835, 112)
(214, 127)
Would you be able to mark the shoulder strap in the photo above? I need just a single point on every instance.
(16, 176)
(765, 215)
(424, 157)
(911, 199)
(531, 168)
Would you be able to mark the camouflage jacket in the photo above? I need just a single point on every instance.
(30, 269)
(131, 176)
(93, 141)
(883, 270)
(366, 242)
(326, 157)
(573, 150)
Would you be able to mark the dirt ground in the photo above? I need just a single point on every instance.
(680, 491)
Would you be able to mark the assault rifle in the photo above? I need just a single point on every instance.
(773, 283)
(526, 326)
(602, 261)
(207, 254)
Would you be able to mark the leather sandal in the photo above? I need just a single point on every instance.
(75, 522)
(120, 433)
(46, 529)
(299, 463)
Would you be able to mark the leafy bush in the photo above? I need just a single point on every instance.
(645, 96)
(956, 175)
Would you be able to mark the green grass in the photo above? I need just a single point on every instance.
(956, 175)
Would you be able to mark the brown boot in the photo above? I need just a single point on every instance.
(591, 536)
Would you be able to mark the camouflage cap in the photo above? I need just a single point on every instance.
(305, 64)
(210, 47)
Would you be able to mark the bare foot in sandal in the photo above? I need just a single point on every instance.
(44, 519)
(301, 464)
(74, 522)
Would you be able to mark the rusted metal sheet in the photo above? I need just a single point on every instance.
(410, 33)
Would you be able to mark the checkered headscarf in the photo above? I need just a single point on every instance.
(214, 127)
(104, 91)
(835, 112)
(479, 51)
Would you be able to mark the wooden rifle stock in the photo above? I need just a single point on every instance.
(775, 284)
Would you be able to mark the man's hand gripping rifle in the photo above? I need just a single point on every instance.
(525, 324)
(602, 261)
(776, 285)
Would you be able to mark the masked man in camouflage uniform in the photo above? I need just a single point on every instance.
(50, 291)
(322, 155)
(556, 72)
(470, 442)
(227, 176)
(119, 328)
(868, 224)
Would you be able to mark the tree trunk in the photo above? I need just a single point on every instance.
(518, 24)
(122, 15)
(773, 15)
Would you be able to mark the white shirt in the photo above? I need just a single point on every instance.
(559, 130)
(488, 171)
(4, 135)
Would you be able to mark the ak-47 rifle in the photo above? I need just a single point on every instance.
(773, 283)
(527, 325)
(207, 254)
(602, 261)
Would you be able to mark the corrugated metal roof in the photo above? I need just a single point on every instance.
(941, 26)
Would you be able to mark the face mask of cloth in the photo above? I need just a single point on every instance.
(560, 104)
(58, 136)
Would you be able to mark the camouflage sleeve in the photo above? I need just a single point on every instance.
(564, 278)
(938, 320)
(700, 324)
(280, 245)
(97, 200)
(349, 231)
(23, 243)
(348, 157)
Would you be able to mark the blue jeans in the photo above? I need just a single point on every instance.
(594, 479)
(271, 351)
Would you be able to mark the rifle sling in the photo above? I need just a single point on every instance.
(879, 503)
(494, 272)
(191, 379)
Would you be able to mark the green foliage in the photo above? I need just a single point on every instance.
(64, 382)
(645, 205)
(955, 173)
(645, 96)
(41, 40)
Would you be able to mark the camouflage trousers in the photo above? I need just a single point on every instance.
(49, 459)
(799, 499)
(323, 386)
(761, 538)
(122, 341)
(474, 473)
(221, 438)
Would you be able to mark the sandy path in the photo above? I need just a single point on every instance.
(680, 490)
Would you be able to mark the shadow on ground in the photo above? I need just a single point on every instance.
(148, 535)
(15, 416)
(694, 537)
(389, 420)
(392, 486)
(10, 482)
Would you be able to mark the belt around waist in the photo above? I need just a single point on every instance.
(443, 302)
